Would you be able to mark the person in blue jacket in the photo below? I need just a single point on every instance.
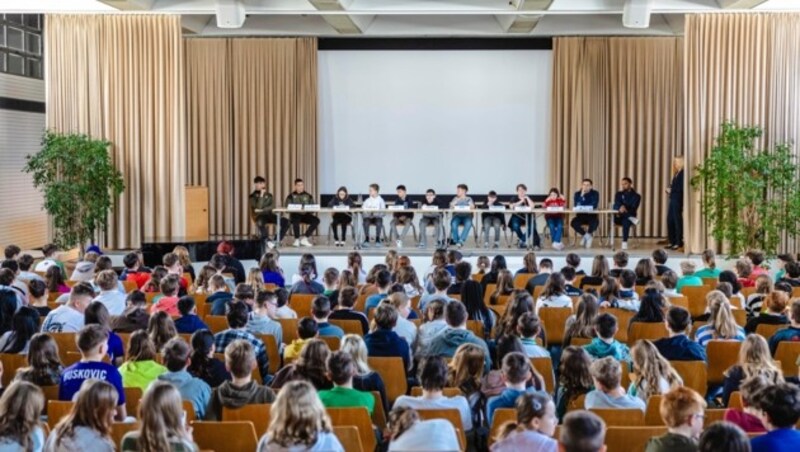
(626, 201)
(586, 197)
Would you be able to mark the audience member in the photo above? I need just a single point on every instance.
(176, 359)
(341, 369)
(608, 393)
(652, 374)
(24, 324)
(582, 431)
(456, 333)
(134, 317)
(383, 341)
(574, 378)
(721, 323)
(141, 368)
(581, 324)
(517, 371)
(723, 436)
(365, 378)
(792, 332)
(97, 314)
(161, 329)
(344, 310)
(747, 417)
(87, 427)
(754, 303)
(189, 321)
(163, 425)
(779, 407)
(68, 318)
(405, 328)
(321, 310)
(44, 365)
(529, 327)
(237, 329)
(20, 407)
(775, 314)
(433, 378)
(311, 366)
(682, 411)
(754, 359)
(534, 428)
(408, 432)
(604, 344)
(168, 303)
(204, 365)
(241, 390)
(678, 346)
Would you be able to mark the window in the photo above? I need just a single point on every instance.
(21, 44)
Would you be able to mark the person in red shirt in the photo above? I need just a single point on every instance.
(133, 270)
(169, 301)
(744, 271)
(747, 417)
(756, 258)
(555, 221)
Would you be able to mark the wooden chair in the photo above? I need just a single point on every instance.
(378, 413)
(697, 299)
(12, 362)
(393, 373)
(650, 331)
(257, 413)
(623, 320)
(681, 301)
(57, 409)
(476, 326)
(739, 315)
(554, 321)
(545, 367)
(216, 323)
(633, 439)
(361, 303)
(120, 429)
(132, 398)
(500, 417)
(652, 415)
(356, 417)
(273, 353)
(639, 290)
(490, 288)
(537, 292)
(332, 341)
(349, 326)
(224, 435)
(693, 373)
(735, 400)
(578, 403)
(713, 415)
(721, 356)
(129, 286)
(767, 331)
(50, 393)
(521, 280)
(451, 415)
(349, 437)
(711, 282)
(498, 309)
(580, 341)
(787, 353)
(416, 391)
(66, 343)
(301, 303)
(289, 327)
(620, 417)
(151, 296)
(189, 409)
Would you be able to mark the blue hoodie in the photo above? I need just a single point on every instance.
(506, 399)
(188, 324)
(616, 349)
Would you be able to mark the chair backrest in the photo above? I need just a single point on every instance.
(189, 409)
(693, 373)
(545, 367)
(132, 398)
(56, 410)
(639, 290)
(332, 341)
(651, 331)
(216, 323)
(392, 372)
(631, 438)
(66, 343)
(289, 327)
(12, 362)
(349, 437)
(357, 417)
(257, 413)
(579, 341)
(623, 320)
(554, 321)
(416, 391)
(537, 292)
(378, 413)
(120, 429)
(577, 403)
(739, 315)
(767, 330)
(224, 435)
(652, 416)
(681, 301)
(713, 415)
(735, 400)
(621, 417)
(490, 288)
(721, 356)
(500, 417)
(521, 280)
(301, 303)
(787, 353)
(272, 352)
(129, 286)
(697, 298)
(476, 326)
(348, 326)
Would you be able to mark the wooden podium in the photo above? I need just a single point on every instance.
(196, 212)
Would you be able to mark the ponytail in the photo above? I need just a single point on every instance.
(400, 420)
(529, 406)
(724, 323)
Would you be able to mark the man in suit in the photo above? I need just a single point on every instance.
(586, 197)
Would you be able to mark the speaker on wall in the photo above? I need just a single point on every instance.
(636, 13)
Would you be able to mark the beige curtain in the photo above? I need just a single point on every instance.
(742, 68)
(263, 100)
(120, 77)
(617, 111)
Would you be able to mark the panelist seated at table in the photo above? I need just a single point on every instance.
(461, 219)
(431, 219)
(494, 218)
(517, 219)
(626, 201)
(555, 221)
(301, 197)
(403, 218)
(373, 202)
(341, 219)
(261, 203)
(586, 198)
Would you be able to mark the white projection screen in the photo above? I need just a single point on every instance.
(434, 119)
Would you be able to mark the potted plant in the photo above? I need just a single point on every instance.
(79, 183)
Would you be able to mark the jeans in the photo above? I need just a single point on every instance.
(556, 226)
(622, 220)
(310, 219)
(675, 222)
(263, 219)
(378, 222)
(582, 219)
(464, 220)
(341, 220)
(492, 222)
(424, 222)
(516, 226)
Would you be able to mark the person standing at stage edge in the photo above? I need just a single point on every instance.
(301, 196)
(261, 204)
(675, 209)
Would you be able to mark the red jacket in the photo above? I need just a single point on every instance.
(558, 202)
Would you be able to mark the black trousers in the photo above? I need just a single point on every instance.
(263, 219)
(582, 219)
(340, 220)
(675, 222)
(307, 218)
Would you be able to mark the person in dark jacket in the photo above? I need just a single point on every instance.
(626, 201)
(189, 321)
(261, 203)
(225, 248)
(678, 346)
(776, 302)
(301, 197)
(586, 197)
(492, 219)
(675, 209)
(385, 342)
(340, 220)
(204, 366)
(134, 317)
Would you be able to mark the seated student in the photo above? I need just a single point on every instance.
(433, 324)
(604, 344)
(569, 278)
(554, 294)
(492, 219)
(678, 346)
(88, 425)
(792, 276)
(620, 259)
(688, 278)
(330, 281)
(628, 298)
(721, 323)
(140, 369)
(652, 374)
(307, 283)
(517, 371)
(581, 324)
(298, 421)
(574, 378)
(97, 314)
(775, 314)
(306, 331)
(373, 202)
(237, 329)
(682, 411)
(93, 344)
(433, 377)
(134, 317)
(747, 417)
(204, 365)
(383, 341)
(341, 370)
(408, 432)
(44, 365)
(163, 426)
(25, 263)
(723, 436)
(792, 332)
(345, 311)
(50, 259)
(456, 333)
(24, 324)
(243, 293)
(309, 366)
(541, 278)
(582, 431)
(68, 318)
(441, 282)
(240, 360)
(670, 281)
(109, 294)
(651, 308)
(461, 219)
(261, 319)
(660, 257)
(463, 272)
(20, 407)
(219, 295)
(779, 407)
(177, 359)
(608, 393)
(529, 327)
(189, 321)
(37, 296)
(134, 271)
(271, 271)
(383, 279)
(753, 359)
(534, 428)
(645, 271)
(320, 311)
(169, 301)
(283, 311)
(161, 329)
(405, 328)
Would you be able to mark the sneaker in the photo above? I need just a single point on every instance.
(365, 244)
(399, 243)
(421, 245)
(496, 245)
(537, 248)
(296, 243)
(270, 245)
(459, 245)
(304, 241)
(588, 241)
(634, 221)
(486, 245)
(522, 245)
(624, 245)
(378, 244)
(555, 246)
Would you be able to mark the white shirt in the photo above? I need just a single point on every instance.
(558, 301)
(325, 442)
(406, 329)
(373, 203)
(430, 435)
(63, 319)
(44, 265)
(285, 312)
(458, 402)
(113, 300)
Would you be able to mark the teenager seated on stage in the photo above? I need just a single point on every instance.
(261, 203)
(302, 197)
(586, 197)
(406, 218)
(430, 219)
(555, 221)
(626, 201)
(496, 220)
(375, 201)
(461, 219)
(341, 219)
(516, 221)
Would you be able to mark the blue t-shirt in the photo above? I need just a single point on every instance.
(73, 377)
(115, 347)
(373, 301)
(781, 440)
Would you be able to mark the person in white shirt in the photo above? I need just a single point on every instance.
(528, 327)
(408, 432)
(49, 251)
(84, 270)
(19, 286)
(375, 201)
(441, 280)
(434, 313)
(109, 295)
(670, 281)
(69, 318)
(404, 327)
(554, 294)
(25, 263)
(433, 376)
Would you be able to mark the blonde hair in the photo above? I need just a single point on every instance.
(391, 260)
(721, 319)
(20, 408)
(297, 416)
(466, 368)
(183, 256)
(764, 284)
(755, 359)
(505, 285)
(650, 368)
(255, 279)
(400, 420)
(354, 345)
(95, 402)
(678, 404)
(140, 347)
(161, 415)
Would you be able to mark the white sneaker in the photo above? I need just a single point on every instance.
(304, 241)
(589, 240)
(399, 243)
(270, 245)
(634, 221)
(624, 245)
(296, 243)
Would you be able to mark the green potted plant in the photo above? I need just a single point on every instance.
(79, 182)
(750, 196)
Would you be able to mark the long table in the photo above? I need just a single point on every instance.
(358, 214)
